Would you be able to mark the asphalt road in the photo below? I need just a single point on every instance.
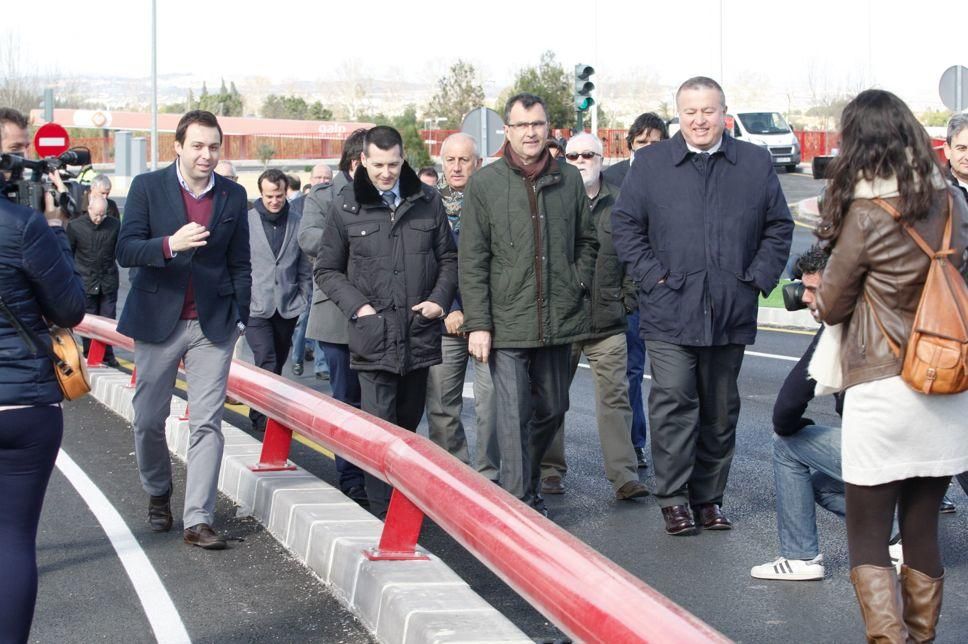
(707, 574)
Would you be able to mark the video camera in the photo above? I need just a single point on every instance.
(30, 192)
(793, 295)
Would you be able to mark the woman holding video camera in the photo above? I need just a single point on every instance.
(37, 283)
(900, 447)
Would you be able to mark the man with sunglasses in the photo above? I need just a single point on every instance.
(613, 296)
(527, 261)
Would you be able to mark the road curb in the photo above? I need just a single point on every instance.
(772, 317)
(399, 602)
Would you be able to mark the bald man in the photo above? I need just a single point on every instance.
(445, 381)
(92, 239)
(321, 174)
(613, 295)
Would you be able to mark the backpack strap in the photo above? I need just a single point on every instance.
(945, 248)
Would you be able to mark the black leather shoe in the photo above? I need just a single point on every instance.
(357, 493)
(113, 363)
(159, 512)
(640, 458)
(678, 521)
(711, 516)
(322, 375)
(203, 536)
(297, 369)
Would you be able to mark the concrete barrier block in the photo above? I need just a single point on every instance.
(234, 468)
(294, 514)
(177, 431)
(403, 601)
(352, 537)
(372, 577)
(268, 489)
(472, 627)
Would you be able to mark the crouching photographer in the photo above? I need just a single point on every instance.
(38, 283)
(806, 455)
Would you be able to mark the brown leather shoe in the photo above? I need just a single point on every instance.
(631, 490)
(678, 520)
(552, 485)
(711, 516)
(203, 536)
(159, 512)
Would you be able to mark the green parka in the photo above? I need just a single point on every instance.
(526, 276)
(613, 291)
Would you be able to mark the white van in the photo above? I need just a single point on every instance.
(768, 129)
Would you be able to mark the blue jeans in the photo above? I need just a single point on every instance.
(345, 386)
(635, 370)
(806, 470)
(300, 343)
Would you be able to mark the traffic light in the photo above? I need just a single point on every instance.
(583, 90)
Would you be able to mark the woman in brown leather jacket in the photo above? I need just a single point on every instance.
(900, 447)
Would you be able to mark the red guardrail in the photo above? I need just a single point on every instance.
(585, 594)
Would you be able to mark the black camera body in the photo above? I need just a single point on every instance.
(793, 296)
(30, 192)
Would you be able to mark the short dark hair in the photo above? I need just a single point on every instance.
(645, 122)
(813, 260)
(383, 137)
(527, 102)
(957, 123)
(273, 176)
(10, 115)
(702, 82)
(202, 117)
(352, 149)
(294, 181)
(429, 169)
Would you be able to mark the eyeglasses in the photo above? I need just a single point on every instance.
(573, 156)
(526, 125)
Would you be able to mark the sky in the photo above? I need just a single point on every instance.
(813, 46)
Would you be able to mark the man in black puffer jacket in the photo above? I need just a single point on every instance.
(389, 262)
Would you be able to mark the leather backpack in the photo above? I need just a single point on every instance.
(936, 359)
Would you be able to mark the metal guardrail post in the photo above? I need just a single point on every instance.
(275, 449)
(134, 378)
(95, 353)
(401, 530)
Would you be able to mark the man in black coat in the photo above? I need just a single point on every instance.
(703, 228)
(93, 238)
(389, 262)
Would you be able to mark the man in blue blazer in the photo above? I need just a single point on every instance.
(186, 232)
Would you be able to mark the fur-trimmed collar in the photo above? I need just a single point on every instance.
(366, 194)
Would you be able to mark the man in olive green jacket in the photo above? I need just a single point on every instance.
(613, 296)
(527, 260)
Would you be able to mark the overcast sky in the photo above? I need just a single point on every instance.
(900, 46)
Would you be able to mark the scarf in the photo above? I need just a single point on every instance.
(453, 204)
(530, 171)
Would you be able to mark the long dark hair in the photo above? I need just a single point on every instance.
(878, 135)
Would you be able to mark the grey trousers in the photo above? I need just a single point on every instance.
(531, 392)
(206, 369)
(608, 358)
(445, 402)
(693, 408)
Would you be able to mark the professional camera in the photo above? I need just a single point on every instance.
(793, 296)
(30, 192)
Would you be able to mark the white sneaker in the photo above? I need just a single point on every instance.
(897, 555)
(785, 569)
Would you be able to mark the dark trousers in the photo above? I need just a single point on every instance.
(345, 386)
(106, 305)
(693, 409)
(270, 339)
(29, 440)
(531, 398)
(399, 400)
(635, 371)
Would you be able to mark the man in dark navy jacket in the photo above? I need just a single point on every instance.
(186, 231)
(703, 227)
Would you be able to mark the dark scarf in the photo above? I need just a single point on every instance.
(274, 225)
(531, 171)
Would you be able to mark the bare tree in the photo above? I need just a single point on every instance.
(17, 90)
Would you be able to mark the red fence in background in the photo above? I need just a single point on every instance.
(574, 586)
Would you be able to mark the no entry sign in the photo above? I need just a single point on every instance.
(51, 140)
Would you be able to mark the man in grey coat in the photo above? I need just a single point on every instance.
(281, 277)
(327, 324)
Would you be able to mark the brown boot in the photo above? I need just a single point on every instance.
(922, 603)
(879, 597)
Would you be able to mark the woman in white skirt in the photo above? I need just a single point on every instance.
(900, 447)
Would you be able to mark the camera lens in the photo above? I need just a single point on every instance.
(793, 296)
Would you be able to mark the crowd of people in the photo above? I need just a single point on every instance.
(394, 281)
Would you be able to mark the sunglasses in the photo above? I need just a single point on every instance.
(573, 156)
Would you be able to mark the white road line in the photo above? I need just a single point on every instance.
(772, 356)
(162, 615)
